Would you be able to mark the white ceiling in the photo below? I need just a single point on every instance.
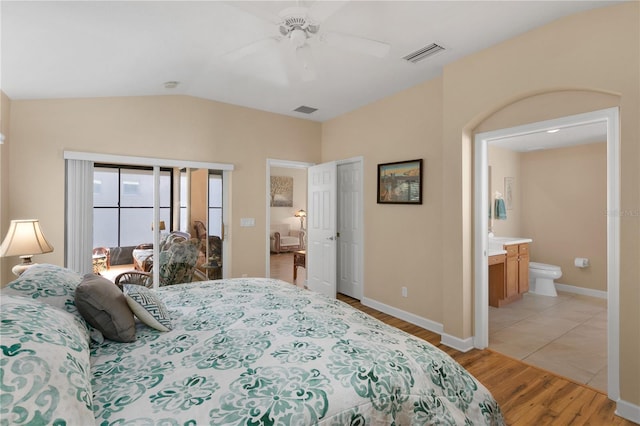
(555, 138)
(55, 49)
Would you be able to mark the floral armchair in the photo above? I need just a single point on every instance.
(178, 256)
(178, 262)
(143, 253)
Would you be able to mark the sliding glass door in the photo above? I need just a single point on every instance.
(112, 202)
(189, 201)
(123, 205)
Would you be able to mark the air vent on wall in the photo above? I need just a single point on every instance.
(305, 109)
(423, 53)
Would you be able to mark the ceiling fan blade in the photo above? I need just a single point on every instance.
(249, 49)
(322, 9)
(306, 64)
(356, 44)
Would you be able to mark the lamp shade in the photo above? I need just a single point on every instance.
(301, 213)
(25, 238)
(163, 226)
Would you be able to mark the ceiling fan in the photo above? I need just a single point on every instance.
(299, 30)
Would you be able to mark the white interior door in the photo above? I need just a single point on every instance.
(321, 228)
(350, 229)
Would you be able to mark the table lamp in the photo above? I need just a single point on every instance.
(301, 214)
(162, 225)
(24, 239)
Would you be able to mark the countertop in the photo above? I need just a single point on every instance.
(496, 244)
(508, 240)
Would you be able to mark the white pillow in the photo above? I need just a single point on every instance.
(50, 284)
(147, 306)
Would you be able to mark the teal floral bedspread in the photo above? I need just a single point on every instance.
(263, 352)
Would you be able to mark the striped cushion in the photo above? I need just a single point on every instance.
(148, 307)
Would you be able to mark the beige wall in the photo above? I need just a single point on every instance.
(286, 214)
(564, 204)
(402, 243)
(175, 127)
(505, 163)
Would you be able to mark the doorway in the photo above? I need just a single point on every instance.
(608, 116)
(281, 215)
(349, 225)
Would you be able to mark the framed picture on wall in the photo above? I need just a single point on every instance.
(281, 191)
(508, 192)
(400, 182)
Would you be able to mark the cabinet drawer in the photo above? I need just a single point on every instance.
(512, 250)
(523, 249)
(497, 259)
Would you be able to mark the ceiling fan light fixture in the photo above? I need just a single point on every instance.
(297, 37)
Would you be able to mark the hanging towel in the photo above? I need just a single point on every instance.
(501, 210)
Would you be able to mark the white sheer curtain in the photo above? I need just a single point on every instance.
(79, 217)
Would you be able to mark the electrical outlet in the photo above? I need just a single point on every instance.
(247, 221)
(404, 292)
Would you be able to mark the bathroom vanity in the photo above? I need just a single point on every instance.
(508, 269)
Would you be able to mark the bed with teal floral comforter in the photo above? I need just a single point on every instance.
(264, 352)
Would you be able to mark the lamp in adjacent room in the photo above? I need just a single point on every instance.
(162, 226)
(301, 214)
(24, 239)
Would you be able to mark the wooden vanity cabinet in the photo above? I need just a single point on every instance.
(511, 271)
(509, 275)
(523, 268)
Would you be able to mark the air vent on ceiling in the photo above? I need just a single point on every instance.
(423, 53)
(305, 109)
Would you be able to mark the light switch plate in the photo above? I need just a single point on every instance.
(247, 221)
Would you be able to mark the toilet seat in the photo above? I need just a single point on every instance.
(541, 276)
(543, 266)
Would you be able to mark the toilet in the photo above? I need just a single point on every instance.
(541, 276)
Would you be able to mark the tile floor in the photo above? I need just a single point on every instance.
(566, 335)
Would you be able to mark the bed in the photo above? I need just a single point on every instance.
(239, 352)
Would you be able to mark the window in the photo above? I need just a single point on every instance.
(123, 204)
(184, 187)
(215, 203)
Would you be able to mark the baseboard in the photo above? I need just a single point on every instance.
(425, 323)
(580, 290)
(628, 411)
(463, 345)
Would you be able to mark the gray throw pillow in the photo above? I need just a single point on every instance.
(104, 306)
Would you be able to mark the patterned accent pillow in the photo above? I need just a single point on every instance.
(45, 365)
(147, 306)
(50, 284)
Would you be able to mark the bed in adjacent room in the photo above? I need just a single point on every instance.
(238, 352)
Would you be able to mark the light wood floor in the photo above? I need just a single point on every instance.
(281, 266)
